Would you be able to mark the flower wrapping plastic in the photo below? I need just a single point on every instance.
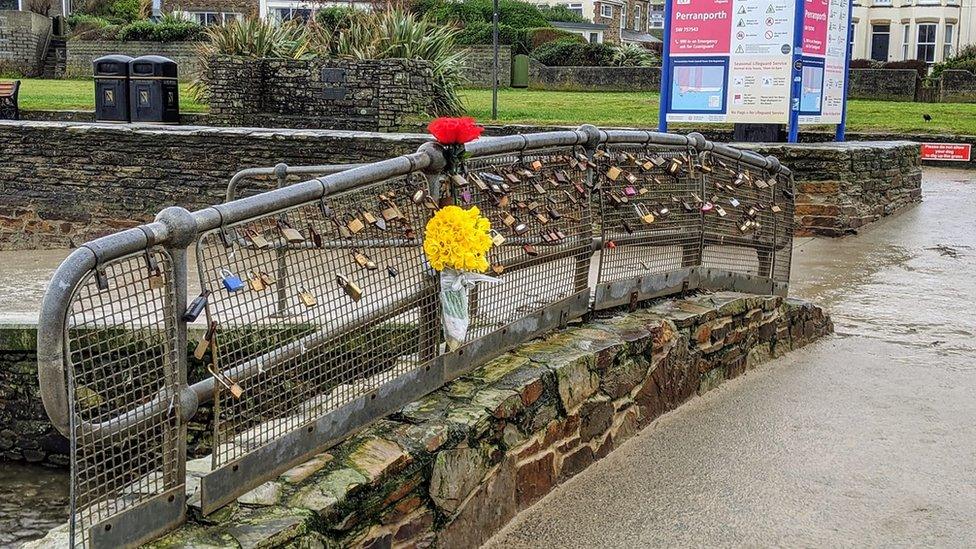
(455, 286)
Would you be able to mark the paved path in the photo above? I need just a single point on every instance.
(863, 439)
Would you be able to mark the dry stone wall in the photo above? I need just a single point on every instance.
(452, 468)
(23, 37)
(81, 54)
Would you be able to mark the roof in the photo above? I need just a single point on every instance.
(578, 26)
(628, 35)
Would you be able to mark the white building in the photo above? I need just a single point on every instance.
(899, 30)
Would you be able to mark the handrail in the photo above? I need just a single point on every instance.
(175, 228)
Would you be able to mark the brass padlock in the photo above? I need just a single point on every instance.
(496, 237)
(156, 280)
(257, 239)
(204, 344)
(498, 268)
(355, 225)
(289, 232)
(613, 173)
(266, 278)
(343, 230)
(306, 297)
(226, 381)
(256, 282)
(459, 180)
(508, 220)
(369, 217)
(314, 236)
(478, 182)
(645, 215)
(775, 209)
(391, 213)
(364, 261)
(541, 217)
(537, 165)
(350, 287)
(539, 188)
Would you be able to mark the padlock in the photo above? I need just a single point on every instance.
(630, 191)
(644, 214)
(196, 307)
(547, 237)
(498, 268)
(530, 250)
(537, 165)
(526, 173)
(658, 160)
(418, 196)
(204, 344)
(707, 207)
(520, 228)
(392, 271)
(496, 237)
(511, 178)
(306, 297)
(751, 212)
(508, 219)
(289, 232)
(539, 189)
(720, 210)
(561, 177)
(156, 280)
(687, 206)
(647, 166)
(627, 227)
(553, 213)
(631, 178)
(257, 239)
(560, 235)
(350, 287)
(355, 225)
(478, 182)
(541, 217)
(673, 166)
(227, 382)
(266, 278)
(533, 206)
(392, 212)
(369, 217)
(343, 230)
(613, 173)
(364, 261)
(466, 196)
(101, 279)
(459, 180)
(231, 281)
(663, 212)
(314, 236)
(502, 201)
(775, 209)
(734, 202)
(256, 282)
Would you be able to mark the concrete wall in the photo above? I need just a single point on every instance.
(454, 467)
(478, 63)
(81, 53)
(375, 95)
(23, 39)
(882, 84)
(64, 183)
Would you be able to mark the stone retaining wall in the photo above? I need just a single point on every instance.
(542, 77)
(478, 62)
(841, 187)
(882, 84)
(81, 54)
(64, 183)
(454, 467)
(23, 39)
(957, 86)
(366, 95)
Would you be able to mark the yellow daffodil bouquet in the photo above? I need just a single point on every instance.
(456, 243)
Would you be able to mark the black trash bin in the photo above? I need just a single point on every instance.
(112, 88)
(154, 95)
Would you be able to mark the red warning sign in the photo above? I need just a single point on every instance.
(958, 152)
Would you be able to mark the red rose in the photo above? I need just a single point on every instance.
(454, 131)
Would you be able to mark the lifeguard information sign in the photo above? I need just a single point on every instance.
(755, 61)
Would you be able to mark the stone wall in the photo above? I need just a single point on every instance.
(243, 7)
(882, 84)
(64, 183)
(542, 77)
(454, 467)
(841, 187)
(81, 54)
(23, 39)
(957, 86)
(370, 95)
(478, 63)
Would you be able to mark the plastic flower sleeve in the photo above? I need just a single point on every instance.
(455, 286)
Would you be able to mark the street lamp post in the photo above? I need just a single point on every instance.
(494, 64)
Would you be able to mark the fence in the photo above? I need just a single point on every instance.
(321, 313)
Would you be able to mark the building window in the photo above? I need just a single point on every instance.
(637, 18)
(207, 18)
(594, 38)
(655, 18)
(289, 14)
(906, 41)
(623, 17)
(880, 35)
(575, 8)
(947, 43)
(606, 10)
(925, 49)
(882, 2)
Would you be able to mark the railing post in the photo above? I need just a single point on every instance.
(428, 346)
(581, 282)
(281, 252)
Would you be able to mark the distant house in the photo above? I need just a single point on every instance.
(591, 32)
(623, 21)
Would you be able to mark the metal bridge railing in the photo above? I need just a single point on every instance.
(322, 315)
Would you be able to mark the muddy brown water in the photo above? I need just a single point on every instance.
(866, 436)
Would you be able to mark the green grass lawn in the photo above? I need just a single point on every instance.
(69, 95)
(640, 109)
(637, 109)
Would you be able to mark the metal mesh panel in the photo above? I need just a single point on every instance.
(650, 222)
(783, 198)
(122, 365)
(738, 217)
(295, 338)
(538, 203)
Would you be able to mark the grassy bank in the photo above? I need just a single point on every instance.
(637, 109)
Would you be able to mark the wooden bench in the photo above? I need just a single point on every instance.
(8, 100)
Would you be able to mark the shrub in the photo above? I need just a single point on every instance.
(514, 13)
(90, 27)
(567, 53)
(921, 67)
(539, 36)
(561, 13)
(965, 60)
(863, 64)
(480, 33)
(40, 7)
(338, 18)
(633, 56)
(160, 32)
